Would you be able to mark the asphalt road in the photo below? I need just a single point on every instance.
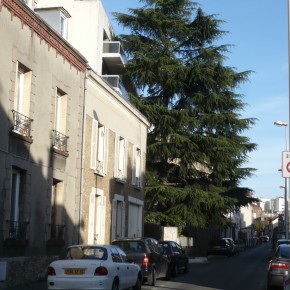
(245, 271)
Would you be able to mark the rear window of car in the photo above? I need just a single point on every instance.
(131, 246)
(283, 252)
(77, 253)
(219, 242)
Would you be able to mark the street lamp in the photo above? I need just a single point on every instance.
(286, 187)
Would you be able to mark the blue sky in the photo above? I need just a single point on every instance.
(258, 33)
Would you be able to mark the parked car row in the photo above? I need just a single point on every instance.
(127, 263)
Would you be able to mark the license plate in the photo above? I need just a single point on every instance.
(74, 271)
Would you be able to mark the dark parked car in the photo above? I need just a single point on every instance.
(148, 253)
(235, 246)
(220, 247)
(278, 265)
(177, 257)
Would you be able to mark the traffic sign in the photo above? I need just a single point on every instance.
(286, 164)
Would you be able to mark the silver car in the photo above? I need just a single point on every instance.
(278, 267)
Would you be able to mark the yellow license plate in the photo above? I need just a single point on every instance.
(74, 271)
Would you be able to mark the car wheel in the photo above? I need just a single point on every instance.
(152, 278)
(185, 270)
(138, 283)
(168, 273)
(175, 270)
(115, 285)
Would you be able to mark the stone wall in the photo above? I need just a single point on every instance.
(22, 270)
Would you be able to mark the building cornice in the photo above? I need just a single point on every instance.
(45, 33)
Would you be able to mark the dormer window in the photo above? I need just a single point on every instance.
(63, 26)
(56, 17)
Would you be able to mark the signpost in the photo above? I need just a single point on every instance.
(286, 164)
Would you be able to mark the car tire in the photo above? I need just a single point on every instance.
(185, 270)
(175, 270)
(152, 278)
(115, 285)
(138, 283)
(168, 273)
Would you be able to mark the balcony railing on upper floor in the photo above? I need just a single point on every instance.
(21, 124)
(115, 82)
(114, 57)
(59, 141)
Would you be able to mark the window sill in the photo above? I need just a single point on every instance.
(59, 152)
(21, 137)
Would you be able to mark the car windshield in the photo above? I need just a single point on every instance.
(87, 252)
(131, 246)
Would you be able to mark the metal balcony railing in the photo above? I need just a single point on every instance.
(114, 47)
(21, 124)
(59, 141)
(17, 230)
(115, 82)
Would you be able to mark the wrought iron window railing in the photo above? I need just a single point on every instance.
(59, 141)
(21, 124)
(18, 230)
(57, 232)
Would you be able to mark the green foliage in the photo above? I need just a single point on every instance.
(195, 149)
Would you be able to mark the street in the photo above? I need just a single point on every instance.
(245, 271)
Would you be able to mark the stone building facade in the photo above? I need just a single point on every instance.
(72, 148)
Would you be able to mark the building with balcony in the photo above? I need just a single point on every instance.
(42, 81)
(115, 133)
(73, 149)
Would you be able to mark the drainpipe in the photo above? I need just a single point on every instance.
(82, 156)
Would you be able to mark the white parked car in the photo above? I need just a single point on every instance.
(104, 267)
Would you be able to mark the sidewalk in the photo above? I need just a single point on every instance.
(32, 286)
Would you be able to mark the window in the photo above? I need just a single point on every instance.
(63, 26)
(136, 174)
(15, 195)
(118, 217)
(17, 228)
(22, 122)
(99, 148)
(116, 258)
(60, 117)
(56, 225)
(120, 169)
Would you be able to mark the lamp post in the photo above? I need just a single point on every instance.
(286, 187)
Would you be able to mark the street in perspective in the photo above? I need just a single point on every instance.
(247, 270)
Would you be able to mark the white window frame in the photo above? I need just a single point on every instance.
(15, 195)
(99, 148)
(137, 167)
(118, 200)
(63, 26)
(22, 89)
(121, 153)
